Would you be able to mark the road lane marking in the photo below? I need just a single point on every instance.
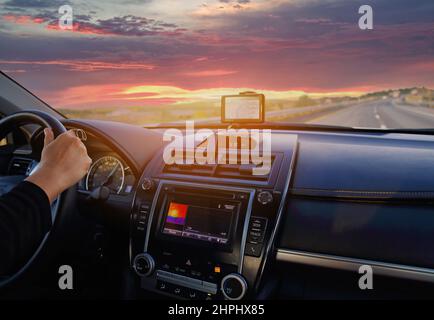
(377, 116)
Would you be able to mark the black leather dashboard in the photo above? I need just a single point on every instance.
(369, 164)
(353, 194)
(376, 231)
(363, 196)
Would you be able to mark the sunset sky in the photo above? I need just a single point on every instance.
(153, 52)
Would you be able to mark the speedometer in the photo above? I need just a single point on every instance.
(107, 171)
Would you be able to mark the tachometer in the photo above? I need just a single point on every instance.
(107, 171)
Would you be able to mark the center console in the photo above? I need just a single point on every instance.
(192, 237)
(195, 240)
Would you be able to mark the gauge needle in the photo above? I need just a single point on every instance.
(109, 177)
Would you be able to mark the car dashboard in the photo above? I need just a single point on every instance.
(331, 203)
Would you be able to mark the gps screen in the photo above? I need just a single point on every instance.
(195, 222)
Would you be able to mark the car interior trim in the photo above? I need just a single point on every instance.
(270, 246)
(364, 195)
(353, 265)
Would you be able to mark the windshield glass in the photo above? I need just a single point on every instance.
(332, 62)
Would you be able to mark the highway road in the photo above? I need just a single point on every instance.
(384, 114)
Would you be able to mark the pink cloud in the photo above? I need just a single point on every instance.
(79, 28)
(210, 73)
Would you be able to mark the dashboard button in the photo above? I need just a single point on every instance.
(255, 237)
(258, 222)
(140, 228)
(145, 206)
(255, 233)
(196, 274)
(142, 217)
(162, 286)
(192, 295)
(178, 291)
(253, 250)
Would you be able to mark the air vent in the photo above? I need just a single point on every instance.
(190, 169)
(19, 166)
(224, 171)
(243, 171)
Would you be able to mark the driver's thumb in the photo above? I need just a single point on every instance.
(49, 136)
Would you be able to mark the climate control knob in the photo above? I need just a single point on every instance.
(144, 264)
(234, 286)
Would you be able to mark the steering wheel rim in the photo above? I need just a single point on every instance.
(45, 120)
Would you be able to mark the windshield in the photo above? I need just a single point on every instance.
(332, 62)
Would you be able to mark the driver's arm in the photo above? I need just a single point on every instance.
(25, 213)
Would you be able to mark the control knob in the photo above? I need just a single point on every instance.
(144, 264)
(234, 286)
(147, 184)
(265, 197)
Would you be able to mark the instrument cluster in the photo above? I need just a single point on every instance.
(108, 170)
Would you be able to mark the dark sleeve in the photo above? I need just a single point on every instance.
(25, 217)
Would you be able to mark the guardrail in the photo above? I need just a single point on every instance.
(287, 113)
(295, 112)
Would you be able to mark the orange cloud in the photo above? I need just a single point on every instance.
(210, 73)
(125, 95)
(146, 92)
(85, 96)
(85, 66)
(80, 28)
(22, 19)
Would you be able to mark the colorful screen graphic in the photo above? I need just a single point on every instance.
(177, 213)
(198, 222)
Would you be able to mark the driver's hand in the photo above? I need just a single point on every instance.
(64, 161)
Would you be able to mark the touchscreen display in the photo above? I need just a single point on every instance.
(196, 222)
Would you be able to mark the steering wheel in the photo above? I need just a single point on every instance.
(45, 120)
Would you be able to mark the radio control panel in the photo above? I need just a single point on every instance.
(194, 241)
(187, 277)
